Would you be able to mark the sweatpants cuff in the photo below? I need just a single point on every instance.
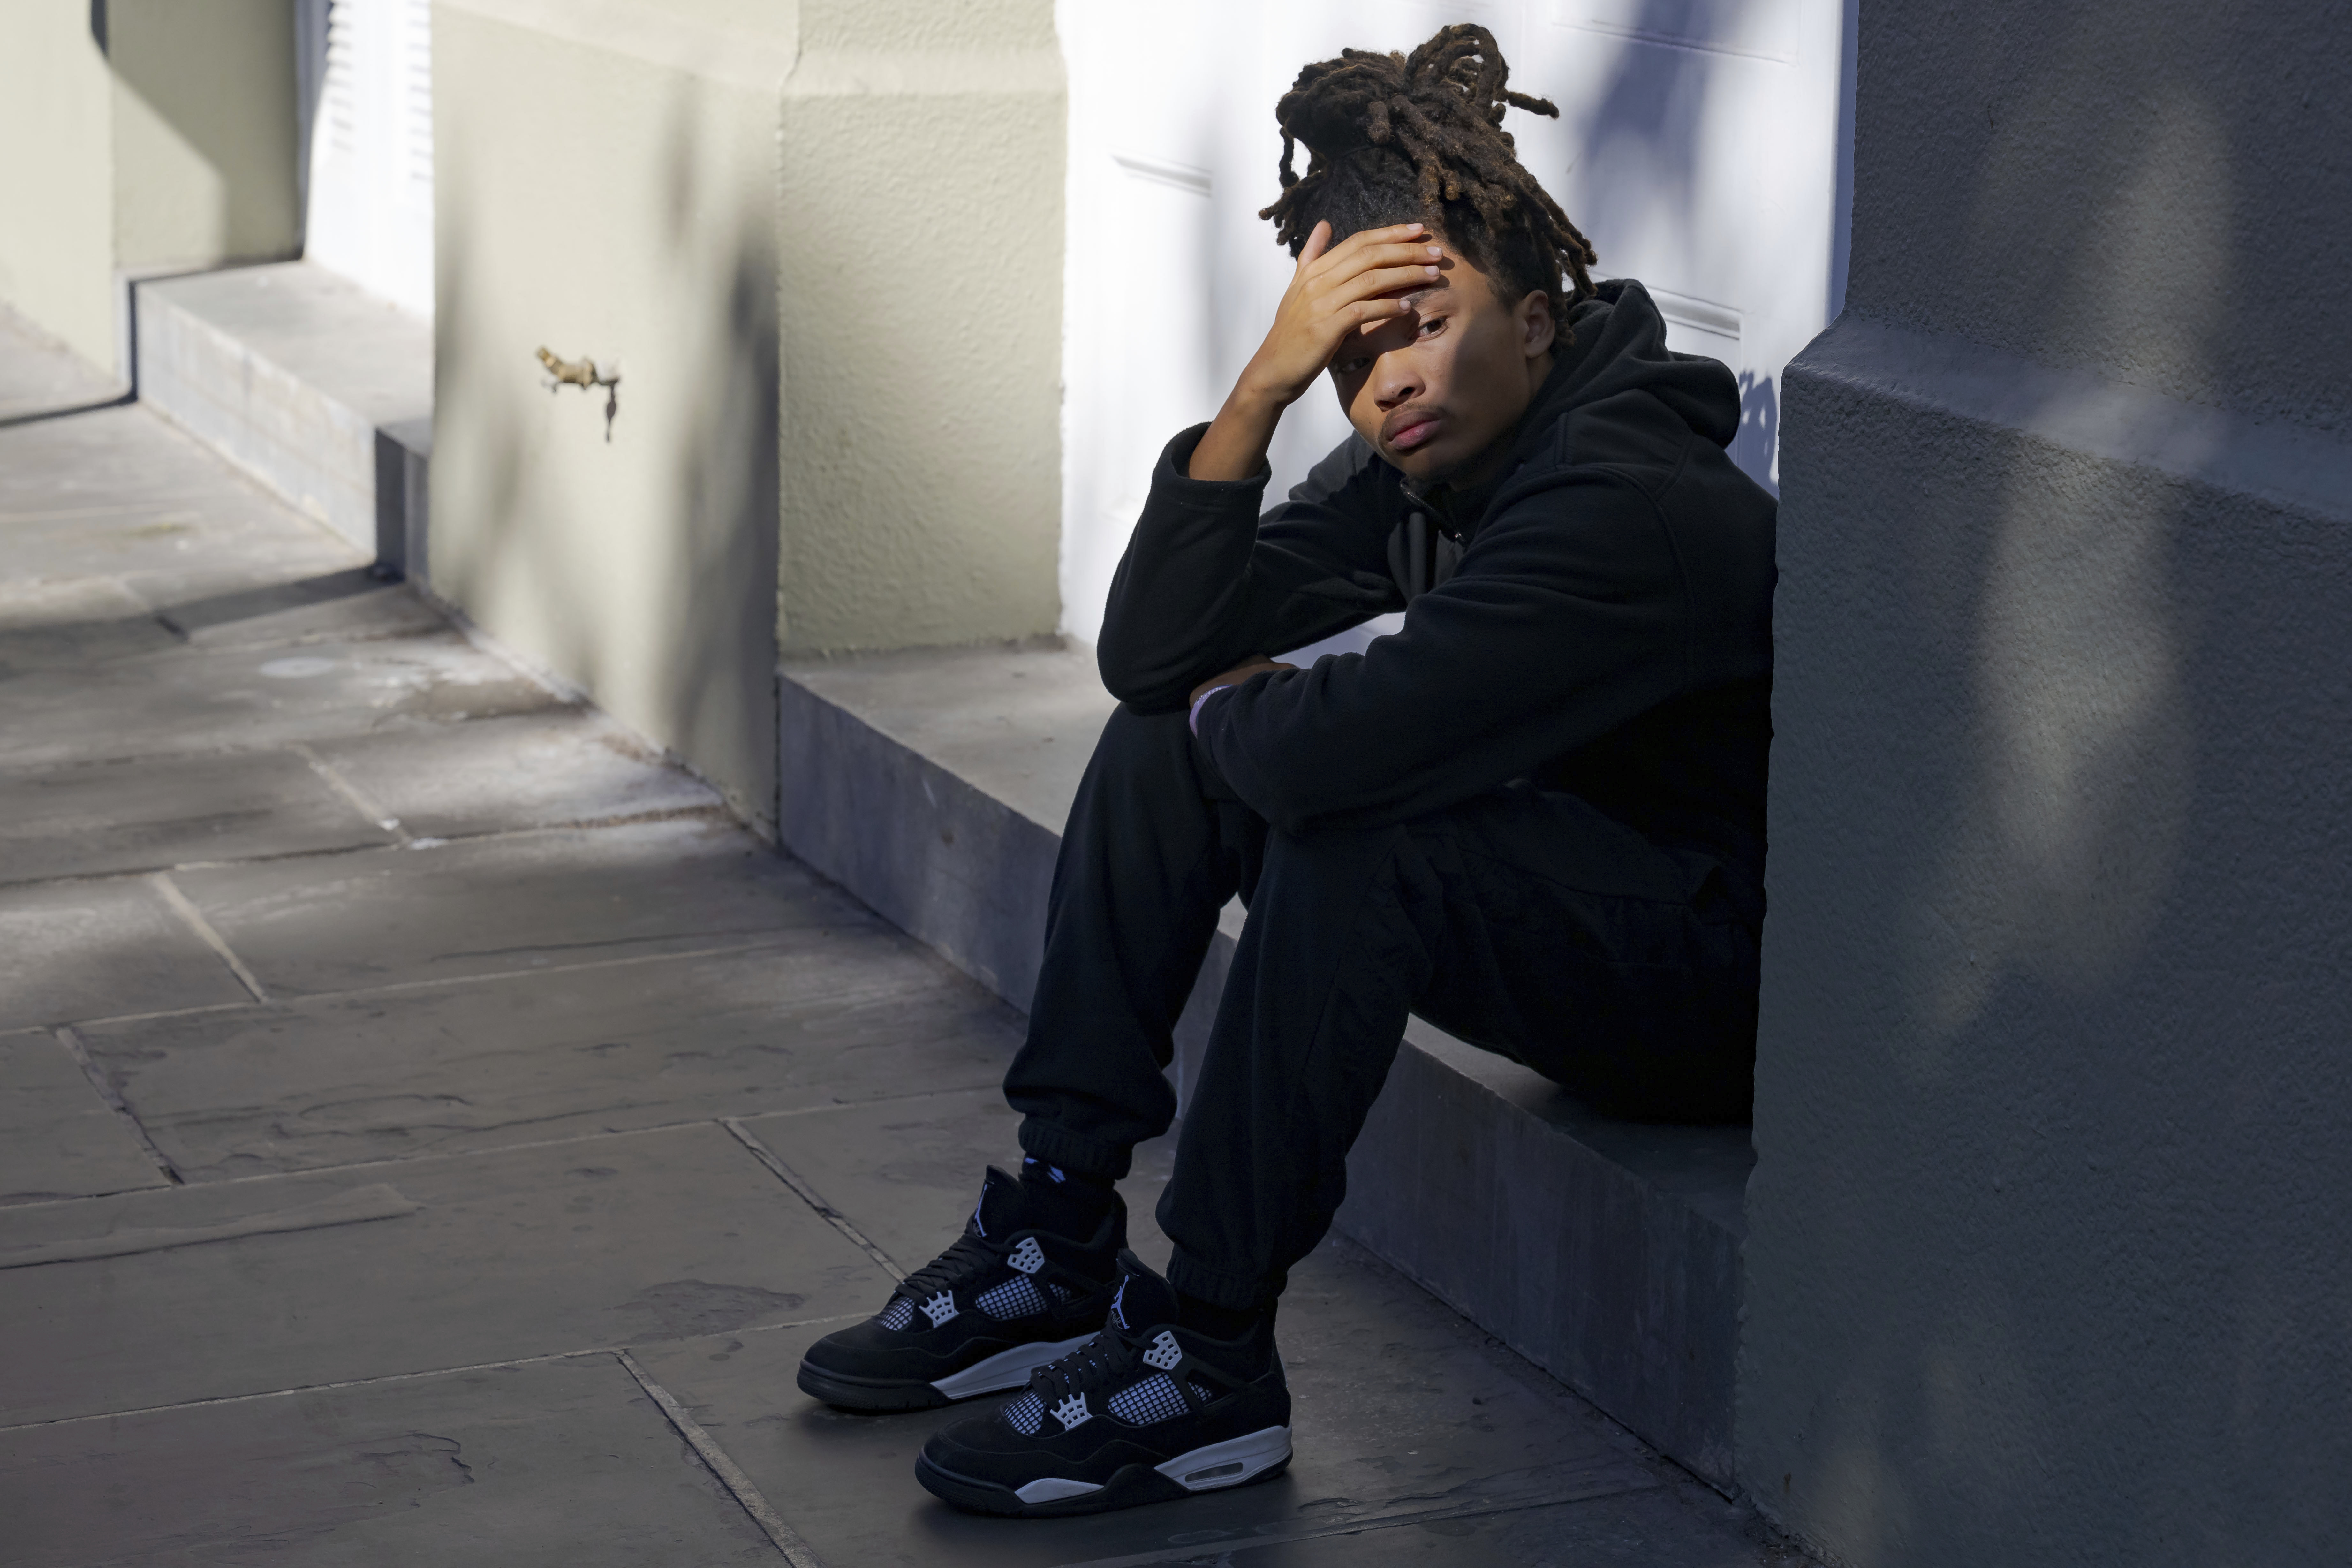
(1075, 1151)
(1219, 1288)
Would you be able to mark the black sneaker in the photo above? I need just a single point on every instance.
(1005, 1300)
(1145, 1413)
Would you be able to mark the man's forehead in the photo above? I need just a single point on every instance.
(1415, 302)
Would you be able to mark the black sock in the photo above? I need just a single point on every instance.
(1067, 1203)
(1212, 1321)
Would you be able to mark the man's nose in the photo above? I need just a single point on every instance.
(1393, 383)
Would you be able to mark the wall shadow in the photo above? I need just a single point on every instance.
(218, 78)
(681, 643)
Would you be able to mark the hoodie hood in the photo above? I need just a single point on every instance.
(1616, 344)
(1619, 346)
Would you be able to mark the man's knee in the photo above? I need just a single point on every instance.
(1131, 734)
(1158, 751)
(1366, 899)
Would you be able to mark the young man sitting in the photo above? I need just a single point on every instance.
(1534, 815)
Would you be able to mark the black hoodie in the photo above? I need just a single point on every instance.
(1598, 619)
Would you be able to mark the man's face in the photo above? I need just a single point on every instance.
(1434, 389)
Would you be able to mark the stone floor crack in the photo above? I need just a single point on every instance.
(74, 1047)
(601, 1134)
(495, 976)
(204, 932)
(418, 1375)
(351, 793)
(807, 1194)
(731, 1475)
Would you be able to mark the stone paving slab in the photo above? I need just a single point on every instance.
(1652, 1529)
(533, 770)
(70, 951)
(118, 492)
(492, 906)
(561, 1463)
(227, 610)
(57, 623)
(1401, 1409)
(908, 1169)
(826, 1021)
(120, 455)
(565, 1247)
(67, 622)
(66, 535)
(58, 1139)
(141, 813)
(197, 700)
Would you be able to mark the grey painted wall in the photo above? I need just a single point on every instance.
(2049, 1251)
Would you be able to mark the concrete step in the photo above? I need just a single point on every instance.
(934, 786)
(314, 386)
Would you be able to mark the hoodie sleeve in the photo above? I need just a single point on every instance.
(1206, 583)
(1547, 638)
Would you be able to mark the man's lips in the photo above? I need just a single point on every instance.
(1410, 427)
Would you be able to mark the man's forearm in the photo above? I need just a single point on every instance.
(1235, 444)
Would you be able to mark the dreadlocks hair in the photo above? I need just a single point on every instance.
(1404, 138)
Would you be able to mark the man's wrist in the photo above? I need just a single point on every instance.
(1193, 721)
(1233, 450)
(1259, 400)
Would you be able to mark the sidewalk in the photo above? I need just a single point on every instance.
(431, 1128)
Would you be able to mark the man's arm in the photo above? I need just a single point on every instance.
(1546, 638)
(1203, 585)
(1207, 584)
(1336, 291)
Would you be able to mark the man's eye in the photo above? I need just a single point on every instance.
(1429, 327)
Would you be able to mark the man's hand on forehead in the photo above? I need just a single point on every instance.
(1413, 302)
(1336, 291)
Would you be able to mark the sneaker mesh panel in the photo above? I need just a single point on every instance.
(1154, 1399)
(1016, 1297)
(1203, 1389)
(1063, 1294)
(1025, 1415)
(898, 1316)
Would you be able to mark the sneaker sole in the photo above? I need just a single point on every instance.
(1005, 1369)
(1238, 1462)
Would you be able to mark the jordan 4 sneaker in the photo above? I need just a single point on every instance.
(1005, 1299)
(1144, 1413)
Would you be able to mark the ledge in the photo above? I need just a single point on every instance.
(933, 785)
(317, 388)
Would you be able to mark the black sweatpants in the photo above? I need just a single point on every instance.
(1524, 921)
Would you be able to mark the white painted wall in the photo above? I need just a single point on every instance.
(370, 210)
(1698, 146)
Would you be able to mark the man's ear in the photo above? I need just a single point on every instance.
(1537, 330)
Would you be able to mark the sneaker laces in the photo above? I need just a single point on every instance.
(1100, 1363)
(968, 1256)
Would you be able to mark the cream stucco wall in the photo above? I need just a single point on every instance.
(825, 245)
(139, 134)
(605, 182)
(921, 266)
(204, 138)
(57, 156)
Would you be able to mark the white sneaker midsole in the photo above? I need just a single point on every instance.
(1005, 1369)
(1226, 1464)
(1231, 1462)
